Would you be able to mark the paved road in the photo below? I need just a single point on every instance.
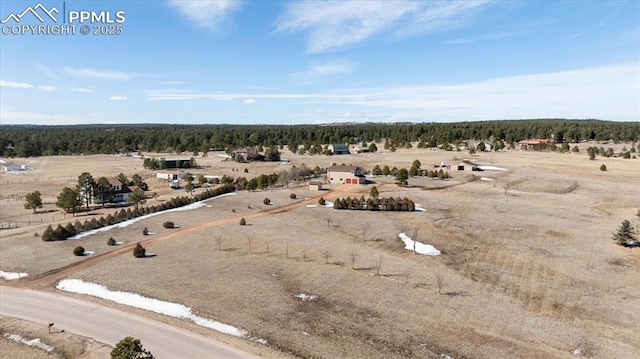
(108, 325)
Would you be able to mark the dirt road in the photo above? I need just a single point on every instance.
(108, 325)
(48, 279)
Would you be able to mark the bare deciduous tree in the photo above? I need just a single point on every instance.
(219, 242)
(326, 256)
(439, 281)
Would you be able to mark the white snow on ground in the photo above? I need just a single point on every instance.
(420, 248)
(326, 204)
(87, 253)
(12, 276)
(32, 343)
(131, 221)
(151, 304)
(225, 156)
(486, 179)
(491, 168)
(149, 255)
(306, 297)
(419, 208)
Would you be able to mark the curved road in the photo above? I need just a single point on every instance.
(108, 325)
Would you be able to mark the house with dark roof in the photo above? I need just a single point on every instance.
(338, 148)
(346, 175)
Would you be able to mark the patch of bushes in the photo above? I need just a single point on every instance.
(78, 251)
(168, 224)
(111, 241)
(293, 196)
(603, 167)
(139, 251)
(321, 201)
(266, 201)
(243, 221)
(145, 231)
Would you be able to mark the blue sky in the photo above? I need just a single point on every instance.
(281, 62)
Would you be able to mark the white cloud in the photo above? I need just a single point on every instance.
(17, 85)
(81, 89)
(602, 92)
(336, 24)
(20, 117)
(319, 70)
(206, 13)
(249, 101)
(96, 74)
(47, 88)
(118, 98)
(172, 83)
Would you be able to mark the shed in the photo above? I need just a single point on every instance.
(465, 165)
(315, 186)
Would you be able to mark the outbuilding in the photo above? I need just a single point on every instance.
(346, 175)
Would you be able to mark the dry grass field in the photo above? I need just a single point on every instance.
(524, 273)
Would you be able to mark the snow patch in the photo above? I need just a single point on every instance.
(328, 204)
(306, 297)
(419, 208)
(151, 304)
(418, 247)
(491, 168)
(149, 255)
(129, 222)
(312, 205)
(119, 243)
(486, 179)
(12, 276)
(32, 343)
(87, 253)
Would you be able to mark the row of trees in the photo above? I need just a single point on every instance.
(159, 164)
(29, 141)
(61, 233)
(375, 204)
(609, 152)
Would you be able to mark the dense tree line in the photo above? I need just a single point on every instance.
(375, 204)
(29, 141)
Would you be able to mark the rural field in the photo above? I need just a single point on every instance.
(525, 271)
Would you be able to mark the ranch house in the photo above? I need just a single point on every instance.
(120, 193)
(246, 154)
(346, 174)
(338, 148)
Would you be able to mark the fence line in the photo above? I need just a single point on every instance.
(572, 185)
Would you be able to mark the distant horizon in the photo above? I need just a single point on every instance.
(313, 62)
(311, 124)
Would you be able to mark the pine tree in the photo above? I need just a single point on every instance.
(625, 234)
(139, 251)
